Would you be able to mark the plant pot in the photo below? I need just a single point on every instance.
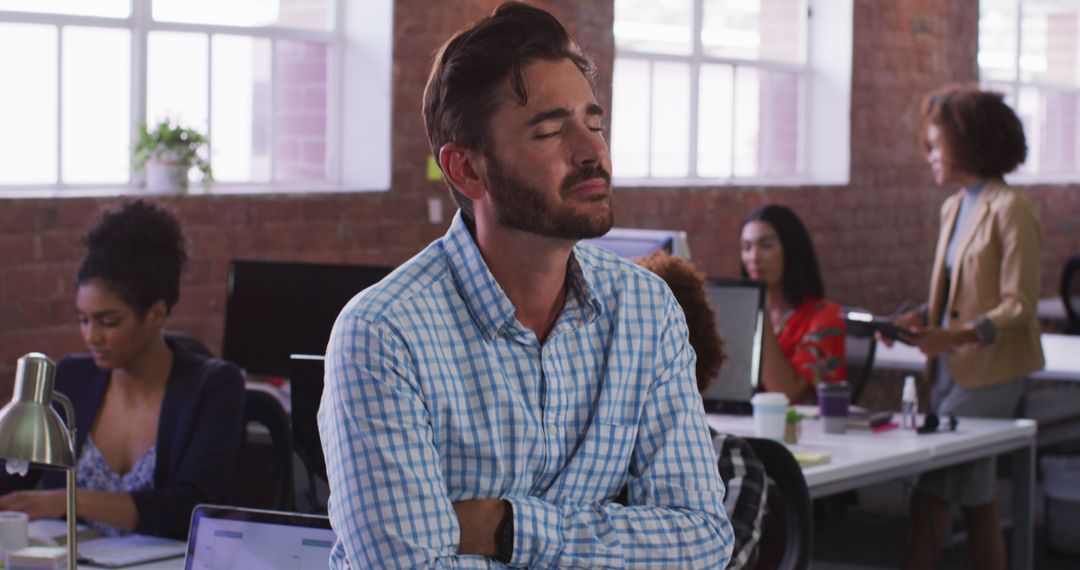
(791, 432)
(166, 176)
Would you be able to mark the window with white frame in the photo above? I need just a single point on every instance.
(731, 91)
(1030, 51)
(262, 78)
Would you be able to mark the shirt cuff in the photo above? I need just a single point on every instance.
(985, 330)
(537, 533)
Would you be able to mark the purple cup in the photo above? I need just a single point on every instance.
(834, 398)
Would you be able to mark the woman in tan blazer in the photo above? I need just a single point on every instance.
(979, 330)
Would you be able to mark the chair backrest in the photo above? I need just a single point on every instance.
(190, 343)
(859, 348)
(1070, 293)
(258, 482)
(787, 536)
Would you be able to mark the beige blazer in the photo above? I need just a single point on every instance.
(996, 274)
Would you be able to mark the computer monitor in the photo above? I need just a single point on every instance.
(635, 242)
(740, 318)
(233, 537)
(277, 308)
(305, 392)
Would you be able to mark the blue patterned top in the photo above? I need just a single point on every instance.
(94, 473)
(435, 393)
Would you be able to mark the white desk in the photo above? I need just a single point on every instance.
(1062, 358)
(860, 458)
(169, 564)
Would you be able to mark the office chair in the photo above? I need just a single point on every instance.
(1070, 293)
(787, 536)
(256, 482)
(859, 348)
(188, 342)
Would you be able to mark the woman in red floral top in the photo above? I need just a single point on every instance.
(804, 333)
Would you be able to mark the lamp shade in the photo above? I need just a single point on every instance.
(30, 429)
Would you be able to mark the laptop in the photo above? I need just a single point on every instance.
(740, 318)
(234, 537)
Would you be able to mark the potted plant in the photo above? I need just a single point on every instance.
(166, 154)
(791, 426)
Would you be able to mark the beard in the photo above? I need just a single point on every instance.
(523, 206)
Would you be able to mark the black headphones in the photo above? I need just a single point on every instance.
(931, 424)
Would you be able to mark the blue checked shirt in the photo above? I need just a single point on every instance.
(435, 393)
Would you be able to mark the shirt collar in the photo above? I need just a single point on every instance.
(484, 297)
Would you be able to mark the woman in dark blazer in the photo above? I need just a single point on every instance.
(158, 427)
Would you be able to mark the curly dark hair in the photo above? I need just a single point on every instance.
(462, 91)
(138, 252)
(688, 285)
(982, 133)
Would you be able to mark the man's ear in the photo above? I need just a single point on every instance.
(462, 166)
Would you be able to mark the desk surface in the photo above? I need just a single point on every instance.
(1062, 358)
(861, 457)
(170, 564)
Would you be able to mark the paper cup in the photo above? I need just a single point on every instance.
(770, 411)
(13, 532)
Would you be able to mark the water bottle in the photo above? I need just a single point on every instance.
(909, 405)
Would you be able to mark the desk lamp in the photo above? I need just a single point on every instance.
(31, 432)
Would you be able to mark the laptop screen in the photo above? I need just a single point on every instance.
(740, 318)
(232, 537)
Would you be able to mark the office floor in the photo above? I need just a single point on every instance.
(873, 535)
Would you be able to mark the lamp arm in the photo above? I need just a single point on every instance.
(72, 529)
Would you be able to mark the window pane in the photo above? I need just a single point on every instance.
(96, 102)
(240, 109)
(671, 119)
(1049, 47)
(300, 75)
(1050, 125)
(304, 14)
(176, 79)
(779, 126)
(714, 121)
(28, 59)
(997, 39)
(656, 27)
(753, 29)
(630, 118)
(747, 121)
(103, 8)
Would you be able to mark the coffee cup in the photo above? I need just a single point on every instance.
(834, 399)
(13, 532)
(770, 415)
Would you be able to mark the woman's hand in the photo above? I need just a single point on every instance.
(908, 322)
(36, 504)
(934, 341)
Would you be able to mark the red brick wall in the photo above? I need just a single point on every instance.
(874, 236)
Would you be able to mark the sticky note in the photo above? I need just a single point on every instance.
(434, 174)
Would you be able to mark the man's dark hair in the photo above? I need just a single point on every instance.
(981, 133)
(802, 278)
(138, 253)
(468, 70)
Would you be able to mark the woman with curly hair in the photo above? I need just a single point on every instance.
(979, 330)
(740, 468)
(157, 426)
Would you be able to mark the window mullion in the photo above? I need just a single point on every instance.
(695, 80)
(272, 130)
(649, 130)
(210, 98)
(140, 32)
(60, 105)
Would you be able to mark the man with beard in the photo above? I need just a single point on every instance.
(488, 402)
